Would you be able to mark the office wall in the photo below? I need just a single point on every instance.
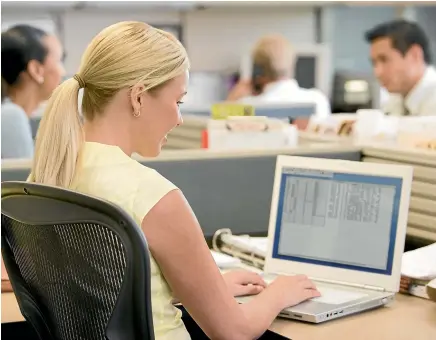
(215, 38)
(426, 16)
(79, 27)
(345, 28)
(40, 20)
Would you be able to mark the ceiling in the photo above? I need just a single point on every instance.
(53, 6)
(163, 4)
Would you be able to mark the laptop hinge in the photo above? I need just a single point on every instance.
(380, 289)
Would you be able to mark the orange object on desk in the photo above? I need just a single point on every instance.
(204, 139)
(301, 123)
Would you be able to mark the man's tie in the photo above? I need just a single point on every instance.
(406, 111)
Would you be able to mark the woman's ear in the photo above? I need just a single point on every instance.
(36, 71)
(136, 99)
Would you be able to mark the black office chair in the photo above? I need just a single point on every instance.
(79, 266)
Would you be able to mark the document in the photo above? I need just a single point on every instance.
(420, 263)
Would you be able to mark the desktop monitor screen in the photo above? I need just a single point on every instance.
(305, 71)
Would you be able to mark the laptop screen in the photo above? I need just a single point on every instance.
(337, 219)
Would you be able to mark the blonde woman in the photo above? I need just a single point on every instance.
(134, 78)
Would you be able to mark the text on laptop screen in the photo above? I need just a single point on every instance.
(337, 219)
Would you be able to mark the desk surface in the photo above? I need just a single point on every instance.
(407, 318)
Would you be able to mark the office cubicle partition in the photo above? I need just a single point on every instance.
(189, 134)
(284, 111)
(421, 224)
(288, 111)
(225, 190)
(234, 192)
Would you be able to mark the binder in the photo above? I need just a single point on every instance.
(250, 250)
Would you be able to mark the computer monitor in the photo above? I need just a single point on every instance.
(353, 91)
(312, 67)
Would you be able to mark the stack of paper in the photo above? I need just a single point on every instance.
(420, 263)
(418, 269)
(255, 245)
(251, 132)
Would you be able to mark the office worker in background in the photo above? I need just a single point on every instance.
(130, 103)
(272, 81)
(31, 68)
(400, 54)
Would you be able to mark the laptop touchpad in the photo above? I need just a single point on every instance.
(336, 296)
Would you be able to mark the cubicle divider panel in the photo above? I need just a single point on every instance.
(295, 111)
(224, 191)
(15, 174)
(422, 210)
(231, 193)
(189, 134)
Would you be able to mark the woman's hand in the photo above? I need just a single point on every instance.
(242, 282)
(242, 89)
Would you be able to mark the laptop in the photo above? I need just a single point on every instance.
(343, 224)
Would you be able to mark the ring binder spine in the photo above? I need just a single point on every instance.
(219, 244)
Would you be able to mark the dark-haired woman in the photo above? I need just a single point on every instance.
(31, 68)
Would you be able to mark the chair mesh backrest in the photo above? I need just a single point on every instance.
(75, 271)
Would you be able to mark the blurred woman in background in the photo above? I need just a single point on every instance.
(31, 68)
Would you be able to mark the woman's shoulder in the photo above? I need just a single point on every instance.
(8, 105)
(150, 187)
(13, 112)
(147, 177)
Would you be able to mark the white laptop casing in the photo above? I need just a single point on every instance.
(363, 279)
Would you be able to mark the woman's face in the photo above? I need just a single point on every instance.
(159, 114)
(52, 69)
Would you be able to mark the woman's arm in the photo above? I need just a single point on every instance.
(177, 243)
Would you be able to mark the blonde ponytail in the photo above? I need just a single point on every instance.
(59, 139)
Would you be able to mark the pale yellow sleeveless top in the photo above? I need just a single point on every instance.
(107, 172)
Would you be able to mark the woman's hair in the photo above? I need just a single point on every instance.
(20, 45)
(121, 56)
(274, 57)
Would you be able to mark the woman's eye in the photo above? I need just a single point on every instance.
(179, 103)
